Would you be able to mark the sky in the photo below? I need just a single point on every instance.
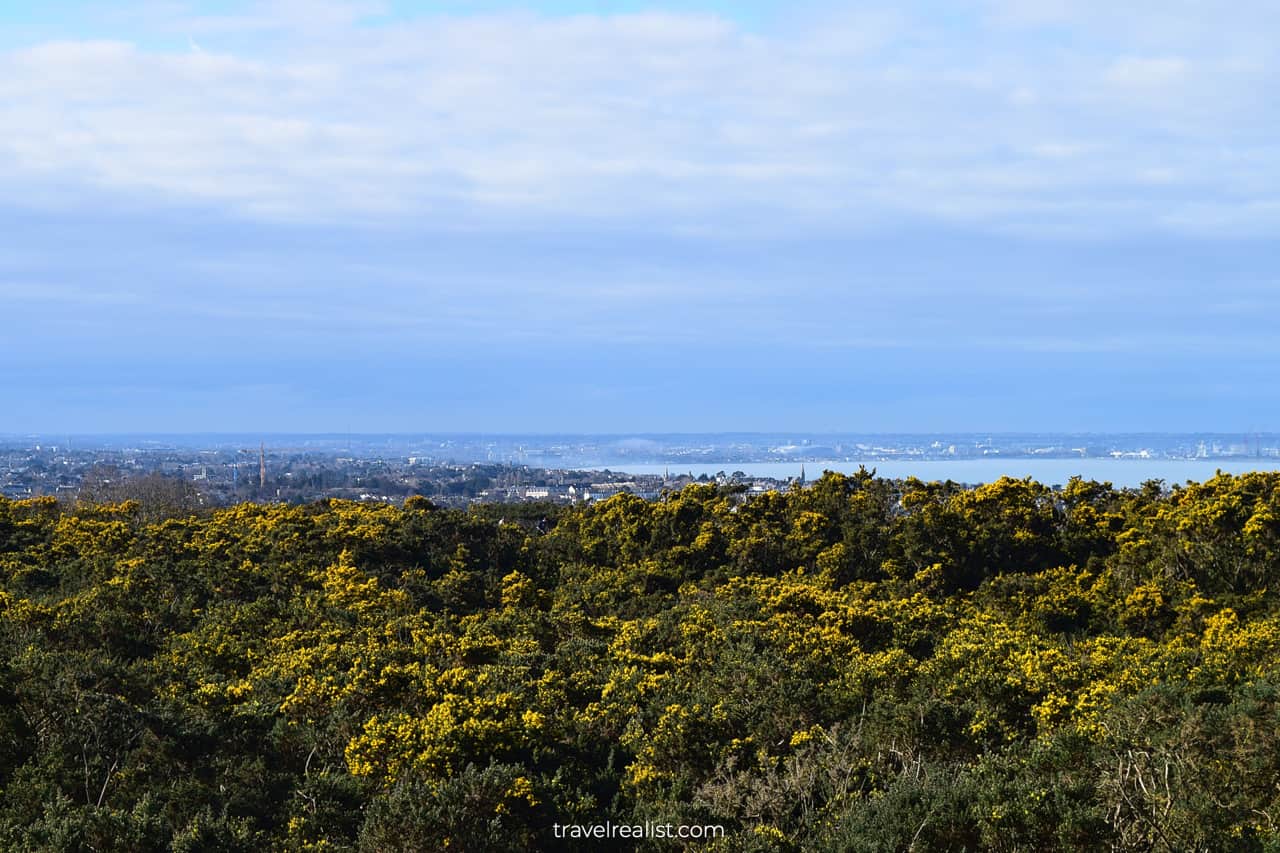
(628, 217)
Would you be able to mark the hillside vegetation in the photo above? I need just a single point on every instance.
(859, 665)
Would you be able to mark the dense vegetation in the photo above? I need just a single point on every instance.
(860, 665)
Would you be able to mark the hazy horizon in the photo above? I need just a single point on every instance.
(797, 433)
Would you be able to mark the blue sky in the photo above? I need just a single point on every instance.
(628, 217)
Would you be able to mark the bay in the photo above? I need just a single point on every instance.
(1119, 472)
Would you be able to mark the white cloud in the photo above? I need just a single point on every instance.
(1147, 71)
(297, 112)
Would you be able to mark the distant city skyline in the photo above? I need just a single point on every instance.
(624, 217)
(469, 468)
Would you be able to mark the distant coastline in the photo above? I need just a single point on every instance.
(1122, 473)
(460, 469)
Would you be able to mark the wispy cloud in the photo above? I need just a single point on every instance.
(1043, 116)
(63, 295)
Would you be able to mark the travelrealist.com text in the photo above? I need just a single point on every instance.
(637, 830)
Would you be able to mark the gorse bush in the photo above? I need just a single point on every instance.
(863, 664)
